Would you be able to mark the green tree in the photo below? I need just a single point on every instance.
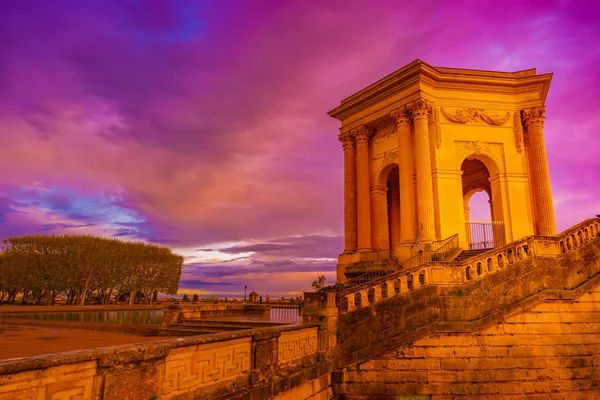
(319, 283)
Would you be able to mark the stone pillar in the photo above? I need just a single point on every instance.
(379, 217)
(361, 135)
(420, 110)
(408, 223)
(394, 217)
(349, 191)
(533, 120)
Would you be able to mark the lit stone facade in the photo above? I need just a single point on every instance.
(420, 142)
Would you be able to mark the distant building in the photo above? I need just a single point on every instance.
(253, 298)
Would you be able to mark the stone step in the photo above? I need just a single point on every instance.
(465, 254)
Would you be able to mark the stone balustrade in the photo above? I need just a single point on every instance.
(213, 365)
(449, 273)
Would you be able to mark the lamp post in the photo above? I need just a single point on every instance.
(245, 287)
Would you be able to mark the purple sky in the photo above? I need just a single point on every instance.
(203, 126)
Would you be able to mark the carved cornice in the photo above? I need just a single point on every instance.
(420, 108)
(534, 117)
(465, 115)
(518, 129)
(361, 134)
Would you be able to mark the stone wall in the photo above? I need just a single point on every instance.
(551, 351)
(254, 364)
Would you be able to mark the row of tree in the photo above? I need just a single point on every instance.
(84, 268)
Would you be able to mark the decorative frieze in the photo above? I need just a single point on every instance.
(207, 364)
(466, 115)
(297, 344)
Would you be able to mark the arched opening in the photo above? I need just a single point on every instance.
(385, 211)
(484, 227)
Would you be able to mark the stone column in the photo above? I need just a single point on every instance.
(394, 216)
(408, 223)
(379, 218)
(361, 135)
(349, 191)
(420, 110)
(533, 120)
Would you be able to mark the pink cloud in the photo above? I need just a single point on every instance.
(208, 122)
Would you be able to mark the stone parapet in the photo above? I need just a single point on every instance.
(240, 364)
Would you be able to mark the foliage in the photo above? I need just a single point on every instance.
(319, 283)
(186, 298)
(84, 268)
(333, 288)
(195, 298)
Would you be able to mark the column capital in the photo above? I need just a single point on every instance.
(347, 139)
(361, 134)
(401, 115)
(534, 117)
(420, 108)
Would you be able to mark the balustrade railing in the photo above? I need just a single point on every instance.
(413, 275)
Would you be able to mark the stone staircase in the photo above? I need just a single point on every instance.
(443, 296)
(466, 254)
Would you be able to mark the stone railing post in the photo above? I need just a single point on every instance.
(321, 308)
(265, 347)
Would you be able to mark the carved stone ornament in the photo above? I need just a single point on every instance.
(390, 156)
(477, 147)
(347, 139)
(518, 131)
(401, 116)
(465, 115)
(385, 129)
(534, 116)
(420, 108)
(361, 134)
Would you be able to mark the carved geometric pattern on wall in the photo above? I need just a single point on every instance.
(297, 344)
(64, 382)
(465, 115)
(189, 368)
(384, 130)
(466, 148)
